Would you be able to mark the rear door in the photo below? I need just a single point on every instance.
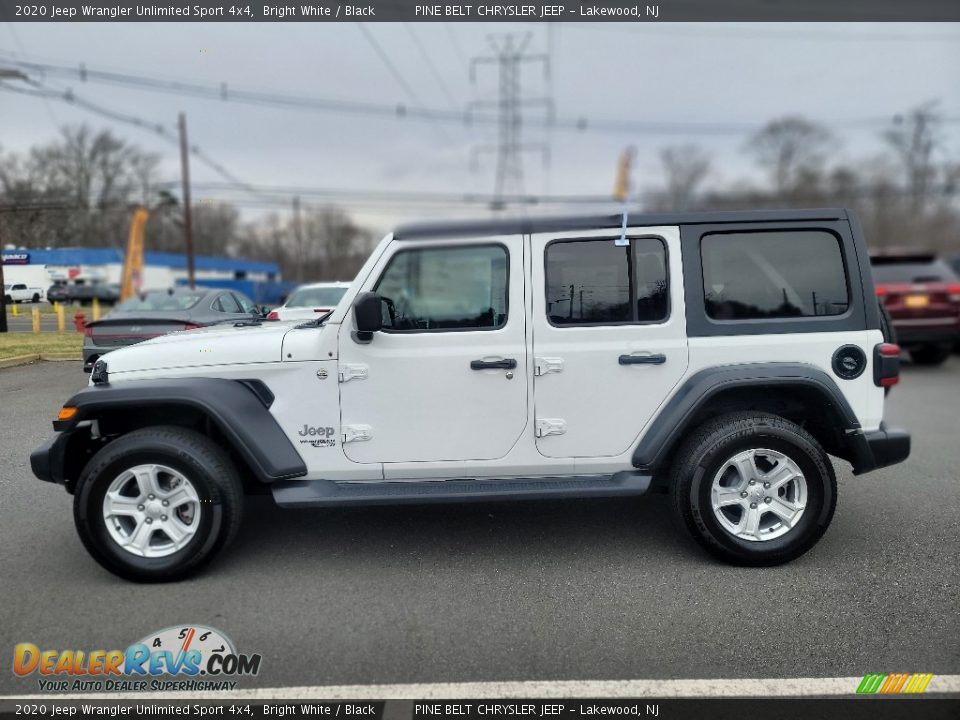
(609, 336)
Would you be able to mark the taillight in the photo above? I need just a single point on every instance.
(273, 315)
(953, 291)
(191, 326)
(882, 290)
(88, 331)
(886, 365)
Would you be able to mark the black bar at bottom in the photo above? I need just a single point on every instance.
(847, 708)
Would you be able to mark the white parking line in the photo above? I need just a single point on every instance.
(725, 687)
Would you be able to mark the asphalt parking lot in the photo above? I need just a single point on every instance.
(562, 590)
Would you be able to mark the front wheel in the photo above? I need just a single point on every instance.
(156, 504)
(754, 488)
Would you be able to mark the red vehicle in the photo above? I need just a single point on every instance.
(922, 296)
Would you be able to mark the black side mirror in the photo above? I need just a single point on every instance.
(368, 314)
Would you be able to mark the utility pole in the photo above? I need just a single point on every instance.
(509, 55)
(187, 217)
(298, 236)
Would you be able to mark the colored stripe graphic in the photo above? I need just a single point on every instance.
(894, 683)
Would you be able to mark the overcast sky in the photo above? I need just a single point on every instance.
(838, 74)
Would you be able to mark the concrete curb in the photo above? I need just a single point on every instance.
(31, 358)
(18, 360)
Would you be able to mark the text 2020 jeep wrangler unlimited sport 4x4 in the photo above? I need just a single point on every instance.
(720, 356)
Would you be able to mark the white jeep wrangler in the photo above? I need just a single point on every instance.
(721, 357)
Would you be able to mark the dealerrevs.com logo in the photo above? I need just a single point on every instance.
(185, 657)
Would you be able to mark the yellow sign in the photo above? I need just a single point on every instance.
(133, 259)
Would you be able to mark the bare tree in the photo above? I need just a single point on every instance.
(336, 245)
(915, 139)
(685, 168)
(90, 176)
(793, 150)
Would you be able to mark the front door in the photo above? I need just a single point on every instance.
(609, 336)
(446, 379)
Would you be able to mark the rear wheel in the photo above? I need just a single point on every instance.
(930, 354)
(753, 488)
(36, 298)
(156, 504)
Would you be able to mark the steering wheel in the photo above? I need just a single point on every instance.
(391, 309)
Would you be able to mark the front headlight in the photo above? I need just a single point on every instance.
(99, 375)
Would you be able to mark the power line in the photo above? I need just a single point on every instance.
(224, 93)
(166, 133)
(401, 81)
(456, 44)
(433, 68)
(411, 93)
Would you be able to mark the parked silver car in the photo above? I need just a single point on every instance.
(157, 312)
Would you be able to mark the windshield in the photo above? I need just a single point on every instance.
(327, 297)
(160, 301)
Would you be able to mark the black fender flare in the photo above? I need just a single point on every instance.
(239, 408)
(676, 415)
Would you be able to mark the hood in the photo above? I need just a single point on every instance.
(226, 344)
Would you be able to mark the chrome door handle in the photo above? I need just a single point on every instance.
(658, 359)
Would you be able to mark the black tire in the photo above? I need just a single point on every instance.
(930, 354)
(207, 467)
(703, 455)
(7, 299)
(35, 299)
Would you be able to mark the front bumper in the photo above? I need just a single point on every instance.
(48, 461)
(881, 448)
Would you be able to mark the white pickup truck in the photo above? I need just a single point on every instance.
(21, 292)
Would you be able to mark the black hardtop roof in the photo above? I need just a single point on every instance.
(522, 225)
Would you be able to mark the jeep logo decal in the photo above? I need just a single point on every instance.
(322, 431)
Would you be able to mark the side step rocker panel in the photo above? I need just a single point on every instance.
(327, 493)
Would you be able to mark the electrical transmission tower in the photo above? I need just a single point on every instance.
(509, 55)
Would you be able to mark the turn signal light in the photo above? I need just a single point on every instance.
(66, 412)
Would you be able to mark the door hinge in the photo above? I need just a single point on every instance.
(357, 433)
(350, 372)
(544, 365)
(551, 426)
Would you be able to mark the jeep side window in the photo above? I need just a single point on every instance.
(596, 282)
(445, 288)
(778, 274)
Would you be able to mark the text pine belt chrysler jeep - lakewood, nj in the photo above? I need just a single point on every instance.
(721, 357)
